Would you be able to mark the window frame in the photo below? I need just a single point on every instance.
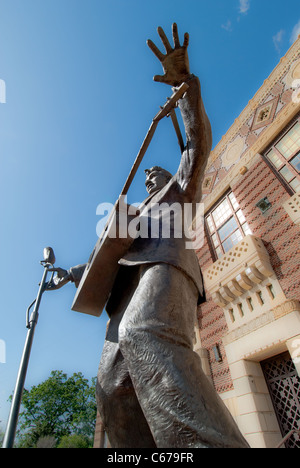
(285, 162)
(234, 215)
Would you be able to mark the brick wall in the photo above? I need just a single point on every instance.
(281, 237)
(213, 327)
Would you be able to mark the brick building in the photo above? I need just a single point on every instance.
(249, 328)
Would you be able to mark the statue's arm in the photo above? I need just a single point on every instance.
(62, 277)
(198, 141)
(76, 273)
(176, 68)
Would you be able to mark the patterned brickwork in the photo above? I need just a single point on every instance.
(281, 93)
(213, 327)
(278, 232)
(281, 237)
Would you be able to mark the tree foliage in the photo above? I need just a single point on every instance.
(59, 406)
(74, 441)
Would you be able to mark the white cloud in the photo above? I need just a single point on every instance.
(227, 26)
(244, 6)
(277, 40)
(295, 32)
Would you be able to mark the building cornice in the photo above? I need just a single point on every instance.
(272, 315)
(281, 120)
(278, 72)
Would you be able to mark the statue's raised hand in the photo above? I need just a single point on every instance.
(175, 62)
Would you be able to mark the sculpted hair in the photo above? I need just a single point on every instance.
(167, 174)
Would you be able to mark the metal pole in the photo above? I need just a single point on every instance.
(10, 433)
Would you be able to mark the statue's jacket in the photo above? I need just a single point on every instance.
(163, 236)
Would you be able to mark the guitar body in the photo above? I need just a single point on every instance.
(100, 273)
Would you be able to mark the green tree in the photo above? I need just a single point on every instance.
(74, 441)
(59, 406)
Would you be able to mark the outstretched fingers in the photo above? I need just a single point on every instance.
(175, 60)
(164, 39)
(166, 42)
(175, 36)
(186, 40)
(159, 78)
(155, 50)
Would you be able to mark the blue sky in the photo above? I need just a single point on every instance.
(79, 101)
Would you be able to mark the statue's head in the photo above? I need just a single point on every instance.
(156, 178)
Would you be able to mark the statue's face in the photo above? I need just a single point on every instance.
(156, 180)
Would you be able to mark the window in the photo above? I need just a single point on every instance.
(226, 225)
(285, 156)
